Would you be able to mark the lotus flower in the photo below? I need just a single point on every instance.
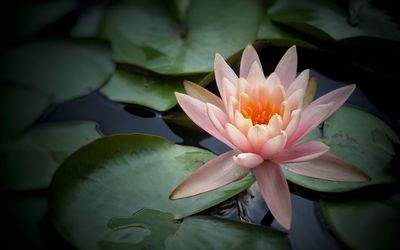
(263, 120)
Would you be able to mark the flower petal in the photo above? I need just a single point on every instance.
(256, 74)
(197, 112)
(215, 173)
(302, 152)
(217, 117)
(275, 191)
(242, 123)
(237, 138)
(274, 146)
(300, 82)
(248, 160)
(338, 96)
(328, 167)
(258, 135)
(202, 94)
(275, 124)
(287, 67)
(293, 123)
(310, 91)
(228, 90)
(310, 119)
(249, 56)
(223, 70)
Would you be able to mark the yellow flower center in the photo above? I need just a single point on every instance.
(257, 112)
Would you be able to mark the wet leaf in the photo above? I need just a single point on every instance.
(146, 34)
(152, 91)
(30, 161)
(277, 35)
(61, 69)
(365, 223)
(153, 229)
(120, 175)
(332, 20)
(20, 108)
(352, 135)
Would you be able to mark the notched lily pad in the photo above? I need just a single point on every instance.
(30, 161)
(148, 34)
(150, 90)
(360, 138)
(118, 176)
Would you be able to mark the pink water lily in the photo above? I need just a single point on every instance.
(262, 120)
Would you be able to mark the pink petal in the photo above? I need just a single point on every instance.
(328, 167)
(300, 82)
(275, 191)
(197, 112)
(258, 135)
(249, 56)
(248, 160)
(287, 67)
(310, 91)
(294, 122)
(256, 74)
(274, 146)
(310, 119)
(237, 138)
(223, 70)
(338, 96)
(275, 124)
(215, 173)
(242, 123)
(217, 117)
(295, 100)
(202, 94)
(228, 90)
(302, 152)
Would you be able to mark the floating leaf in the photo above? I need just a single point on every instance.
(120, 175)
(88, 23)
(365, 223)
(153, 91)
(30, 161)
(274, 34)
(145, 33)
(330, 20)
(62, 69)
(152, 229)
(19, 109)
(352, 135)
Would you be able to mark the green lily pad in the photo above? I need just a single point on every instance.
(360, 138)
(365, 224)
(146, 33)
(30, 17)
(30, 161)
(276, 35)
(88, 23)
(120, 175)
(19, 109)
(152, 229)
(153, 91)
(61, 69)
(331, 20)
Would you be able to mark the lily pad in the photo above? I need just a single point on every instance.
(152, 229)
(146, 33)
(365, 224)
(360, 138)
(30, 161)
(121, 175)
(277, 35)
(19, 109)
(61, 69)
(153, 91)
(331, 20)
